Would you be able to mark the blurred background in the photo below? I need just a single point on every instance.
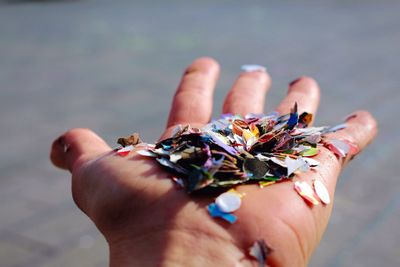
(113, 66)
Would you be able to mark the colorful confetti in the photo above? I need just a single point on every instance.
(234, 150)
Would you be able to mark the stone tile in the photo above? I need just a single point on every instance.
(16, 250)
(12, 255)
(94, 256)
(55, 228)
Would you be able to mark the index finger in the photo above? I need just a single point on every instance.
(192, 102)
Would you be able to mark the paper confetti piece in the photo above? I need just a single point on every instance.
(337, 128)
(294, 117)
(146, 153)
(294, 164)
(339, 147)
(353, 147)
(306, 192)
(263, 184)
(260, 251)
(309, 152)
(125, 150)
(228, 202)
(215, 212)
(311, 162)
(322, 192)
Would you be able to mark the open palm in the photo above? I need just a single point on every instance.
(148, 222)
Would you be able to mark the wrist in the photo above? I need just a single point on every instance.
(176, 248)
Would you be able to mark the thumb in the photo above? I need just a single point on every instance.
(75, 147)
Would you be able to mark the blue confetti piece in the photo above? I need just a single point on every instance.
(336, 128)
(294, 118)
(215, 212)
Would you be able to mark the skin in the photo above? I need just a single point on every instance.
(148, 222)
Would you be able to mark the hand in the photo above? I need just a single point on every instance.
(147, 221)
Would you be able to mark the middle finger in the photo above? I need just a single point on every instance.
(248, 93)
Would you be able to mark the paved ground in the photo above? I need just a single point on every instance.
(113, 66)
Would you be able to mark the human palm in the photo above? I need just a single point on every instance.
(147, 221)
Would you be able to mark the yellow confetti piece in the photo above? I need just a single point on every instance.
(233, 190)
(247, 135)
(254, 130)
(263, 184)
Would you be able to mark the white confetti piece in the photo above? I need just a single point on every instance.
(322, 192)
(295, 164)
(339, 147)
(228, 202)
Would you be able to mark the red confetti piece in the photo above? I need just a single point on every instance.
(124, 151)
(306, 192)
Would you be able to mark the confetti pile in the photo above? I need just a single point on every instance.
(235, 150)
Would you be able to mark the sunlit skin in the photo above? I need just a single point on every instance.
(148, 221)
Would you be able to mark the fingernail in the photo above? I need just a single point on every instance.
(294, 81)
(350, 117)
(253, 68)
(61, 143)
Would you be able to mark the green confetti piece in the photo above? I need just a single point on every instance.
(309, 152)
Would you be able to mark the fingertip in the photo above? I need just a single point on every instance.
(259, 77)
(305, 92)
(361, 129)
(366, 119)
(205, 65)
(305, 85)
(75, 145)
(192, 102)
(247, 95)
(80, 135)
(303, 78)
(56, 147)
